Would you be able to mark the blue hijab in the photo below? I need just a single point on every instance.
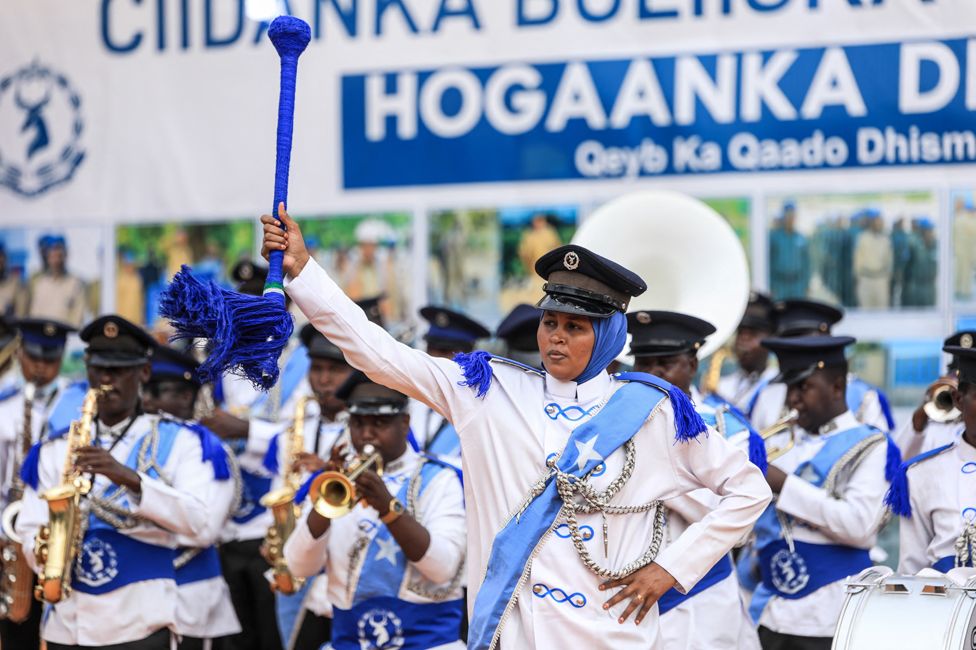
(609, 338)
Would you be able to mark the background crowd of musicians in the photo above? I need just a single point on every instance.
(176, 538)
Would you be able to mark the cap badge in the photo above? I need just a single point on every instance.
(966, 340)
(50, 329)
(643, 317)
(246, 271)
(441, 320)
(571, 261)
(111, 330)
(187, 375)
(824, 327)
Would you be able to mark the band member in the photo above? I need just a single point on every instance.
(204, 610)
(395, 562)
(938, 528)
(9, 342)
(528, 440)
(304, 618)
(150, 478)
(23, 416)
(754, 369)
(921, 433)
(666, 344)
(450, 333)
(518, 331)
(829, 486)
(811, 318)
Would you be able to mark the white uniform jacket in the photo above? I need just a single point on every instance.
(167, 507)
(739, 387)
(506, 437)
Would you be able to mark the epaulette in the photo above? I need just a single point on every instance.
(898, 498)
(688, 423)
(517, 364)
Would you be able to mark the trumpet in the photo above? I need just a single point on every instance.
(940, 406)
(57, 544)
(335, 492)
(281, 502)
(784, 423)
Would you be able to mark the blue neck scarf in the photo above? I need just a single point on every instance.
(609, 338)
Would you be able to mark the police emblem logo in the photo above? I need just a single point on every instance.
(47, 148)
(111, 330)
(97, 564)
(50, 329)
(246, 272)
(789, 572)
(643, 317)
(380, 629)
(966, 341)
(442, 320)
(571, 261)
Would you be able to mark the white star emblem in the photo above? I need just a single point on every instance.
(587, 453)
(388, 550)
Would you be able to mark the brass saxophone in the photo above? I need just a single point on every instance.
(283, 509)
(17, 577)
(57, 544)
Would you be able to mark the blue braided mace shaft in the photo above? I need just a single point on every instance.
(290, 37)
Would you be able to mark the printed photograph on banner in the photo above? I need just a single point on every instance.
(148, 256)
(369, 256)
(53, 273)
(735, 210)
(871, 251)
(963, 238)
(464, 268)
(528, 233)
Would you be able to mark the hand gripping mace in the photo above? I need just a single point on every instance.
(247, 333)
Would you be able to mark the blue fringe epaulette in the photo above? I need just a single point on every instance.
(302, 492)
(270, 460)
(688, 423)
(213, 450)
(757, 450)
(898, 498)
(30, 470)
(477, 370)
(892, 459)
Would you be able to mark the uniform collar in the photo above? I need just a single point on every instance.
(586, 392)
(404, 463)
(842, 422)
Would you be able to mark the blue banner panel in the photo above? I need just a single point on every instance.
(905, 103)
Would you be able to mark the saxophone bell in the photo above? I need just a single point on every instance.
(781, 425)
(335, 492)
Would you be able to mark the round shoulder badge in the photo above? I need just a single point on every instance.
(40, 130)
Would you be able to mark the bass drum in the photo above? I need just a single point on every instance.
(928, 611)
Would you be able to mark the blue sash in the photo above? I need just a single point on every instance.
(858, 389)
(672, 597)
(296, 368)
(109, 560)
(733, 420)
(385, 622)
(757, 391)
(811, 566)
(445, 442)
(607, 431)
(203, 566)
(948, 563)
(253, 487)
(8, 392)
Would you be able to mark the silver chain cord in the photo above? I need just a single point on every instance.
(436, 594)
(965, 551)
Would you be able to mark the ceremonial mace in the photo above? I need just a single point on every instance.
(246, 333)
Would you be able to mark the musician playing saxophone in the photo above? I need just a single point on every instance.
(22, 422)
(148, 477)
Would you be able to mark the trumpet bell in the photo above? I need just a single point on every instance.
(940, 407)
(689, 255)
(335, 494)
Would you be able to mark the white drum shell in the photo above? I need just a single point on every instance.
(889, 611)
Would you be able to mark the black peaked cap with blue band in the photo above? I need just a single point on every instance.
(801, 317)
(450, 329)
(578, 281)
(961, 339)
(249, 277)
(43, 338)
(363, 396)
(371, 307)
(965, 359)
(760, 313)
(170, 364)
(318, 346)
(520, 327)
(801, 356)
(114, 342)
(666, 333)
(8, 332)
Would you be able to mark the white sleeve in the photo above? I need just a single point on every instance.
(909, 440)
(370, 348)
(220, 499)
(441, 512)
(259, 435)
(713, 463)
(914, 537)
(181, 507)
(306, 555)
(851, 519)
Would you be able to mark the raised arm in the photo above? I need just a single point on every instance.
(365, 345)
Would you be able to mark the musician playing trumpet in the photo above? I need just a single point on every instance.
(148, 480)
(394, 562)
